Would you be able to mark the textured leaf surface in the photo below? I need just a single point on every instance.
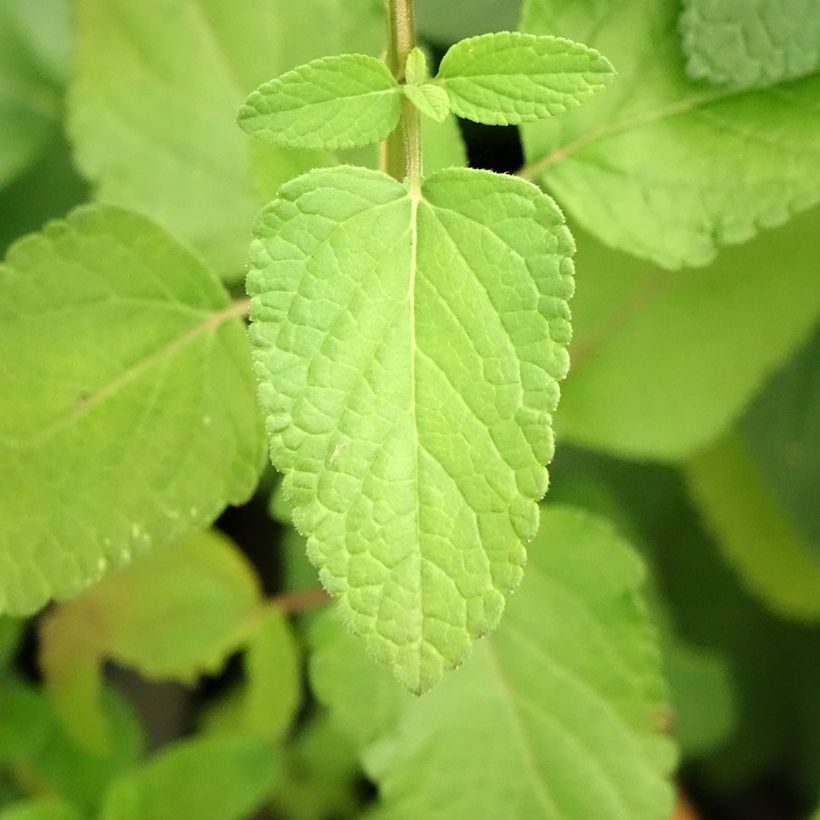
(430, 99)
(772, 557)
(332, 103)
(144, 617)
(408, 348)
(29, 94)
(127, 415)
(663, 364)
(217, 778)
(158, 84)
(750, 43)
(510, 78)
(557, 715)
(658, 165)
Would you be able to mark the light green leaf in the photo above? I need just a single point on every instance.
(559, 714)
(445, 23)
(415, 69)
(29, 95)
(430, 99)
(40, 809)
(772, 558)
(408, 347)
(212, 778)
(128, 414)
(510, 78)
(272, 670)
(34, 746)
(782, 434)
(333, 103)
(143, 617)
(750, 43)
(153, 105)
(661, 166)
(662, 364)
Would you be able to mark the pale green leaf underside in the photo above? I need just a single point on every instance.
(207, 778)
(128, 413)
(153, 102)
(663, 167)
(408, 350)
(333, 103)
(145, 618)
(559, 714)
(772, 557)
(431, 100)
(662, 365)
(750, 43)
(509, 78)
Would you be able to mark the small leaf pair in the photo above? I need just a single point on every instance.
(353, 100)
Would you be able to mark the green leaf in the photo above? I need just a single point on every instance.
(430, 99)
(510, 78)
(144, 618)
(750, 43)
(29, 95)
(34, 745)
(783, 437)
(11, 630)
(772, 558)
(152, 110)
(661, 166)
(408, 346)
(662, 365)
(213, 778)
(557, 715)
(415, 69)
(132, 420)
(333, 103)
(39, 809)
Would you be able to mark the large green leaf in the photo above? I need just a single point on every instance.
(510, 78)
(216, 778)
(158, 84)
(761, 542)
(408, 345)
(127, 414)
(332, 103)
(659, 165)
(559, 714)
(145, 617)
(29, 91)
(662, 364)
(750, 43)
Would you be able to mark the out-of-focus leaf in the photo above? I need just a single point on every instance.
(40, 809)
(172, 614)
(444, 23)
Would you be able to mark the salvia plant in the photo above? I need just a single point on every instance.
(374, 388)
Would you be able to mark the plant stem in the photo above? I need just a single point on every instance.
(402, 149)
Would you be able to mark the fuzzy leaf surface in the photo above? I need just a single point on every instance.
(750, 43)
(430, 99)
(332, 103)
(143, 617)
(558, 714)
(152, 108)
(115, 340)
(408, 348)
(661, 166)
(510, 78)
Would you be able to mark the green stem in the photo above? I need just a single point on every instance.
(402, 149)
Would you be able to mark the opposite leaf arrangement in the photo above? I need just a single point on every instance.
(409, 335)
